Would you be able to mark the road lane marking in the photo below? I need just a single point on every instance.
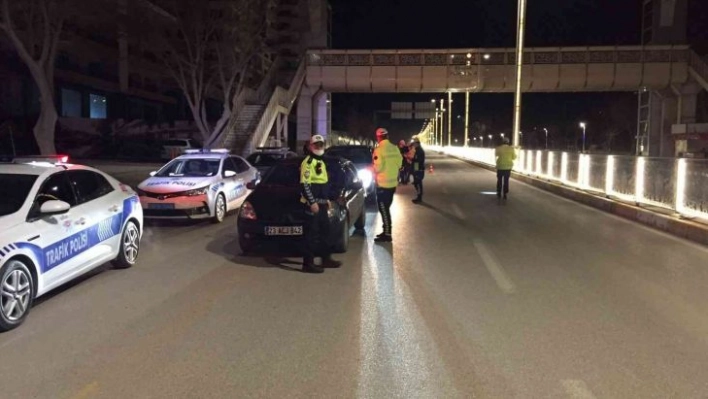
(577, 389)
(495, 268)
(87, 391)
(458, 212)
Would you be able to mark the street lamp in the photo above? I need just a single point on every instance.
(491, 143)
(583, 125)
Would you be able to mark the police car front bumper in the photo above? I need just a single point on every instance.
(196, 207)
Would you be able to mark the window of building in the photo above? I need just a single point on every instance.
(70, 103)
(97, 106)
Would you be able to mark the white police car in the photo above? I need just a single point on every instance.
(58, 221)
(200, 184)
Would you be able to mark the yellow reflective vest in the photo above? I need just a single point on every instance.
(387, 163)
(505, 156)
(313, 179)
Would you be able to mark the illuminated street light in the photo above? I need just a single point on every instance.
(546, 130)
(487, 56)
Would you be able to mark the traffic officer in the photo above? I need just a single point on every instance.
(505, 156)
(387, 162)
(315, 196)
(418, 167)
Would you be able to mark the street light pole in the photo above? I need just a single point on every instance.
(583, 125)
(467, 116)
(520, 27)
(449, 119)
(442, 122)
(546, 130)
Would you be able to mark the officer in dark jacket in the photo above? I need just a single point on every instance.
(315, 184)
(418, 167)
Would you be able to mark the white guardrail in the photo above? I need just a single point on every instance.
(679, 184)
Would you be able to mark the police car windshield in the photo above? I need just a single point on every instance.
(192, 167)
(264, 159)
(283, 175)
(14, 190)
(355, 155)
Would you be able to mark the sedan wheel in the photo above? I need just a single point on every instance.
(16, 294)
(129, 246)
(219, 209)
(343, 244)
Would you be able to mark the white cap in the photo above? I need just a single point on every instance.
(317, 139)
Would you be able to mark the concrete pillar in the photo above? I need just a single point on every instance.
(304, 116)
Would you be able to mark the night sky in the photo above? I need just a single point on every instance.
(381, 24)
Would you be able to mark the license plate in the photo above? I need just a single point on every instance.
(161, 206)
(283, 230)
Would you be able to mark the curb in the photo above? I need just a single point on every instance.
(673, 225)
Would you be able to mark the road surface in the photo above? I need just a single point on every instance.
(539, 298)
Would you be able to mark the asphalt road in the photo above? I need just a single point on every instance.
(539, 298)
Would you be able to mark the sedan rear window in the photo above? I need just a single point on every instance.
(14, 190)
(283, 175)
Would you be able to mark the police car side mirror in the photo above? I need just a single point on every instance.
(251, 185)
(153, 173)
(229, 173)
(54, 208)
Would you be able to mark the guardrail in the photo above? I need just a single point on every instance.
(678, 184)
(500, 56)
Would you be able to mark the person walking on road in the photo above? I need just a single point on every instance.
(387, 163)
(404, 174)
(505, 156)
(418, 169)
(315, 196)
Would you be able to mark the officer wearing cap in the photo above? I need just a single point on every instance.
(387, 162)
(315, 196)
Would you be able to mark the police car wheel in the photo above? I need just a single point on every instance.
(343, 243)
(219, 209)
(129, 247)
(16, 294)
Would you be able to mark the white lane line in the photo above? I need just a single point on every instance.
(458, 212)
(495, 268)
(577, 389)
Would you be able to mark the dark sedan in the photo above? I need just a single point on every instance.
(273, 213)
(362, 158)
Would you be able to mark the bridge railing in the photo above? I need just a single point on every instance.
(500, 56)
(678, 184)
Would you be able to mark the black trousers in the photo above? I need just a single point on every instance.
(384, 199)
(503, 182)
(316, 232)
(418, 177)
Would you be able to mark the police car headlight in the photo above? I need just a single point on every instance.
(366, 177)
(196, 191)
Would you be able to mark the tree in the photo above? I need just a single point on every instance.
(34, 28)
(208, 48)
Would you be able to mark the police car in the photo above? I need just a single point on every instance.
(198, 185)
(58, 221)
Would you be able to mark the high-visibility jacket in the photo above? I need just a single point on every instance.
(387, 162)
(313, 180)
(505, 156)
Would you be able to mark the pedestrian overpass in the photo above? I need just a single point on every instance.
(668, 79)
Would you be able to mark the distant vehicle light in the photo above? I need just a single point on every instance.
(366, 177)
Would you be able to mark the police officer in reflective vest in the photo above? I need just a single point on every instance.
(418, 166)
(387, 162)
(315, 196)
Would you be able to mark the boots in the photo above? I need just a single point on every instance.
(329, 263)
(308, 266)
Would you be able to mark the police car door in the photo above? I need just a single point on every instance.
(231, 184)
(53, 237)
(101, 213)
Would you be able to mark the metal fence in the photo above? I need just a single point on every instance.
(678, 184)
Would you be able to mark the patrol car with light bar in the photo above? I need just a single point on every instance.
(57, 222)
(200, 184)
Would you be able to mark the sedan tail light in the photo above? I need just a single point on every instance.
(247, 211)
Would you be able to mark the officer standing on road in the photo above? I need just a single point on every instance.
(505, 156)
(315, 195)
(387, 163)
(418, 168)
